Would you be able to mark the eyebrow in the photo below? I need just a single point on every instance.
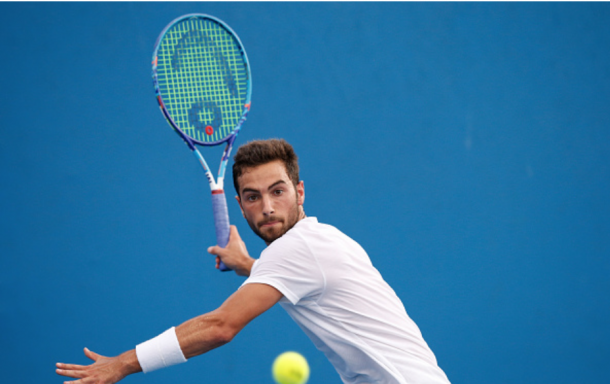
(270, 187)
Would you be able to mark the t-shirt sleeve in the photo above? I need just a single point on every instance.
(289, 266)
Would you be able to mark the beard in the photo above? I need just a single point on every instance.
(270, 234)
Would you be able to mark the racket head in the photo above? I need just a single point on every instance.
(202, 79)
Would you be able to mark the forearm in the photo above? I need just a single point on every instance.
(209, 331)
(204, 333)
(212, 330)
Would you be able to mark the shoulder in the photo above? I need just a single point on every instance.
(290, 265)
(307, 233)
(295, 248)
(296, 237)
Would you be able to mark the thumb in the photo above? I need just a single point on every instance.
(92, 355)
(215, 250)
(234, 234)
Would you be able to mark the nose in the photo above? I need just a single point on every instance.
(267, 206)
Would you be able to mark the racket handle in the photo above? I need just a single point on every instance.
(221, 220)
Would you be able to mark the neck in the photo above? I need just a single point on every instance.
(302, 214)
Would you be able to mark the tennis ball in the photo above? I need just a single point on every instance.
(290, 368)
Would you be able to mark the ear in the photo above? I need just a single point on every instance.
(301, 193)
(240, 207)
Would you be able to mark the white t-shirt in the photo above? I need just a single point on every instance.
(333, 292)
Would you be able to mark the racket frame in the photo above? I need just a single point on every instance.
(216, 185)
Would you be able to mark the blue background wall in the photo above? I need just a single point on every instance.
(465, 146)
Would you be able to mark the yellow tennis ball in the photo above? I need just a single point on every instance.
(290, 368)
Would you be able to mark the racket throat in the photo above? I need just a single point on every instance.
(215, 186)
(218, 186)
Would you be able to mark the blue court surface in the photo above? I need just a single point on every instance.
(465, 146)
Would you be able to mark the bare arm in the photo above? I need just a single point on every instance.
(209, 331)
(196, 336)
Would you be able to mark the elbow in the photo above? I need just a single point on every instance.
(204, 333)
(223, 334)
(222, 331)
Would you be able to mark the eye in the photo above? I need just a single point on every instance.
(278, 192)
(251, 197)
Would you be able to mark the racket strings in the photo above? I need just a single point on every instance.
(202, 78)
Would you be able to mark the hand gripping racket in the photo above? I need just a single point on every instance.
(203, 85)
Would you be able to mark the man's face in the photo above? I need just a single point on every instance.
(269, 201)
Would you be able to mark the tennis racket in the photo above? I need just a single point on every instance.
(203, 85)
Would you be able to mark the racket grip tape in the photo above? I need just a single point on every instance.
(221, 221)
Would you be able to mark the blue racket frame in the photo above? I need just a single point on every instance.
(219, 201)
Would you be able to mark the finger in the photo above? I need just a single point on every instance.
(73, 367)
(68, 373)
(217, 262)
(217, 251)
(92, 355)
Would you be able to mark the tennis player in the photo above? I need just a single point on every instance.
(321, 277)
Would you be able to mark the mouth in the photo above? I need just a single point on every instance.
(269, 223)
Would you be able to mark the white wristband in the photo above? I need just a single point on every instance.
(160, 352)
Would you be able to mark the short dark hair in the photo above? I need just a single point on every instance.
(259, 152)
